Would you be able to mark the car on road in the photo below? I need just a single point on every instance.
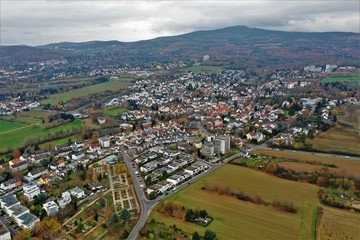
(347, 157)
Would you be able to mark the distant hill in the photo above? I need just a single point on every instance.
(238, 46)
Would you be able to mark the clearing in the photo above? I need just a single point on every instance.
(354, 78)
(244, 220)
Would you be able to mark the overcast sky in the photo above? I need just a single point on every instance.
(41, 22)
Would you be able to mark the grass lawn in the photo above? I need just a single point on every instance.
(58, 142)
(346, 165)
(115, 85)
(113, 111)
(338, 224)
(7, 126)
(337, 139)
(341, 79)
(197, 69)
(18, 137)
(244, 220)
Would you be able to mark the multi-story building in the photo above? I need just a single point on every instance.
(208, 149)
(31, 190)
(222, 144)
(51, 208)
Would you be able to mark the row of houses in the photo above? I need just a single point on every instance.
(178, 178)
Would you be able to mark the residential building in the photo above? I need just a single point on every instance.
(4, 232)
(64, 200)
(77, 192)
(51, 208)
(31, 190)
(104, 142)
(8, 200)
(27, 220)
(222, 144)
(208, 149)
(36, 173)
(11, 183)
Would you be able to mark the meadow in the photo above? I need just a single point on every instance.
(113, 85)
(244, 220)
(9, 126)
(17, 137)
(337, 139)
(330, 224)
(198, 69)
(349, 115)
(113, 111)
(346, 165)
(340, 79)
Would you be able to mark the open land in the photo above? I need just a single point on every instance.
(338, 224)
(113, 111)
(354, 78)
(346, 165)
(245, 220)
(114, 85)
(337, 140)
(17, 137)
(349, 115)
(8, 126)
(212, 69)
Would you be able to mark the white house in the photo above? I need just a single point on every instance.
(36, 173)
(64, 200)
(11, 183)
(31, 190)
(51, 208)
(77, 192)
(78, 155)
(104, 142)
(27, 220)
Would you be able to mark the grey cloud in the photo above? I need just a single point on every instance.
(54, 21)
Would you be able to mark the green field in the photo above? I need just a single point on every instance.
(17, 137)
(244, 220)
(355, 78)
(7, 126)
(197, 69)
(113, 111)
(115, 85)
(58, 142)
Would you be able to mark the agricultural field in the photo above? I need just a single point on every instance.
(28, 117)
(244, 220)
(349, 115)
(17, 137)
(330, 224)
(197, 69)
(346, 165)
(9, 126)
(113, 85)
(57, 142)
(337, 140)
(113, 111)
(354, 78)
